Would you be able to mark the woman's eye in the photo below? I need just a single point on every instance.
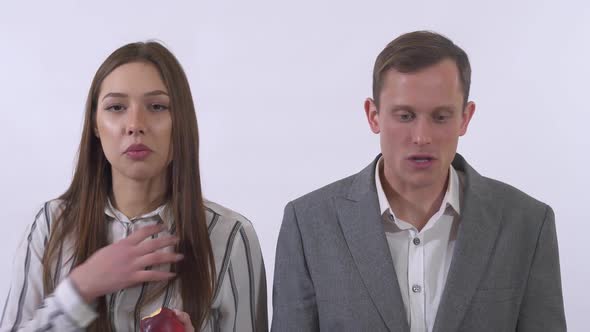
(115, 108)
(159, 107)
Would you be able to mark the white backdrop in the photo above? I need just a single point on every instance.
(279, 88)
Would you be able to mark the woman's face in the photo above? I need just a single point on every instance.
(133, 122)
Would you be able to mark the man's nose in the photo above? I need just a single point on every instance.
(421, 134)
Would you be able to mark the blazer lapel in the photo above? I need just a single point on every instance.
(477, 232)
(359, 218)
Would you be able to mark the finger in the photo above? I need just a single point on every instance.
(185, 319)
(152, 245)
(151, 275)
(157, 258)
(143, 233)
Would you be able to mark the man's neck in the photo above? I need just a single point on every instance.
(414, 205)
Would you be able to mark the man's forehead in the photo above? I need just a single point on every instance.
(446, 68)
(441, 79)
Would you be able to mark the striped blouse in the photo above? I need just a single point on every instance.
(239, 302)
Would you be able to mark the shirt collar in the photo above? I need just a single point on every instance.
(162, 212)
(451, 198)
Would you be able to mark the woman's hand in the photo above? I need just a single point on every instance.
(185, 319)
(122, 264)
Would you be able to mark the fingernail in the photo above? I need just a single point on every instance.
(179, 256)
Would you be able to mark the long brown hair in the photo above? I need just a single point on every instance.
(83, 218)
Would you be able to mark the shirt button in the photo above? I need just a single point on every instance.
(416, 241)
(416, 289)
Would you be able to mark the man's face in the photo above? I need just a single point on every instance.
(420, 118)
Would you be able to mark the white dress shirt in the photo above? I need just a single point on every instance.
(422, 258)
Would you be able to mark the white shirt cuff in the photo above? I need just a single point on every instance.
(80, 312)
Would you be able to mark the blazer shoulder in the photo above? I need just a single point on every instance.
(514, 198)
(323, 195)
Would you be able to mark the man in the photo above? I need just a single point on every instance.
(418, 240)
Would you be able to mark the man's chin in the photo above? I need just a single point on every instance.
(424, 180)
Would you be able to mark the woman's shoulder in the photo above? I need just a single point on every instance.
(54, 206)
(38, 229)
(220, 213)
(46, 213)
(224, 223)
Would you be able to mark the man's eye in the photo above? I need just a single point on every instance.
(405, 117)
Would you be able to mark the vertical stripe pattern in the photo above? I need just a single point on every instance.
(23, 291)
(239, 280)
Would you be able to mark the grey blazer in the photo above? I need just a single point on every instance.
(334, 271)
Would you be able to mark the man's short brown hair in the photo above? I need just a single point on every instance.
(417, 50)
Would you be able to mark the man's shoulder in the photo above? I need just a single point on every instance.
(511, 197)
(325, 194)
(498, 193)
(349, 187)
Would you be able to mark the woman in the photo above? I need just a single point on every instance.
(133, 233)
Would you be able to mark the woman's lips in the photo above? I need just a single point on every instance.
(138, 151)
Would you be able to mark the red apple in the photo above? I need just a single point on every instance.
(163, 320)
